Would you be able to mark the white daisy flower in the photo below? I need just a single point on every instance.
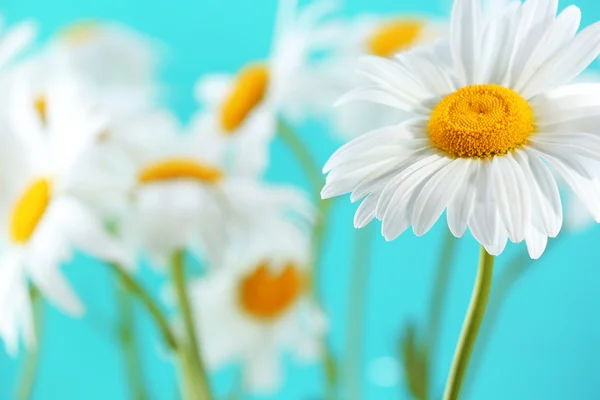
(262, 295)
(44, 221)
(371, 35)
(493, 117)
(189, 196)
(119, 62)
(245, 107)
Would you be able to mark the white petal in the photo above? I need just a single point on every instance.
(558, 35)
(536, 243)
(465, 38)
(398, 214)
(546, 204)
(436, 194)
(461, 206)
(567, 63)
(87, 232)
(512, 195)
(15, 40)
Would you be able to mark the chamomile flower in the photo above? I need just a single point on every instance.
(488, 130)
(43, 220)
(189, 196)
(262, 295)
(120, 63)
(378, 36)
(245, 107)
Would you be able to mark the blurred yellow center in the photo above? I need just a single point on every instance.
(265, 294)
(247, 92)
(29, 209)
(394, 37)
(180, 168)
(80, 32)
(481, 121)
(41, 107)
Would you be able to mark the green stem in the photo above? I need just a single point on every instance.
(28, 374)
(516, 268)
(195, 351)
(315, 177)
(147, 300)
(133, 365)
(356, 312)
(468, 336)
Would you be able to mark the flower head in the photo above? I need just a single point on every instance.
(52, 124)
(262, 294)
(245, 107)
(492, 118)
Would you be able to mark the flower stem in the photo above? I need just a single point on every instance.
(471, 326)
(194, 353)
(28, 374)
(516, 267)
(135, 288)
(356, 313)
(133, 365)
(315, 178)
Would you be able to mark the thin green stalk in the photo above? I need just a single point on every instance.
(315, 177)
(517, 266)
(28, 375)
(470, 329)
(147, 300)
(195, 351)
(133, 364)
(356, 313)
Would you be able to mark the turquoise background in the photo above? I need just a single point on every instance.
(546, 344)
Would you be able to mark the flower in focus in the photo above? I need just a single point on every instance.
(121, 64)
(245, 107)
(378, 36)
(262, 295)
(492, 118)
(49, 128)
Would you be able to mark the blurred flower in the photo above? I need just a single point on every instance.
(49, 128)
(371, 35)
(188, 195)
(262, 295)
(489, 110)
(121, 64)
(246, 107)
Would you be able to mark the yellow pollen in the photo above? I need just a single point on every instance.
(266, 295)
(481, 121)
(29, 209)
(41, 106)
(179, 168)
(248, 91)
(80, 32)
(395, 36)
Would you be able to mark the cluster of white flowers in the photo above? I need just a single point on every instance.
(472, 118)
(92, 161)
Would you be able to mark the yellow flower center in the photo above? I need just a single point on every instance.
(179, 168)
(29, 209)
(266, 295)
(248, 91)
(41, 106)
(80, 32)
(395, 36)
(481, 121)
